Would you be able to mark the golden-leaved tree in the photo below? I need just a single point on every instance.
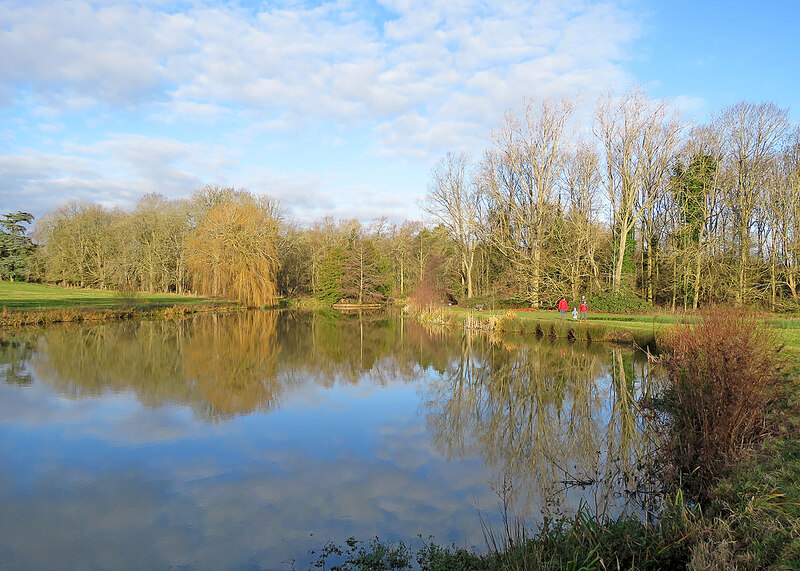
(233, 253)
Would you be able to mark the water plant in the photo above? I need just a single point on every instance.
(430, 315)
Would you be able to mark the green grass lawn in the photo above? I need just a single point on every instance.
(25, 296)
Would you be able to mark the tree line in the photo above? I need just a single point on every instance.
(643, 206)
(676, 214)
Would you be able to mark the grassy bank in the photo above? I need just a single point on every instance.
(579, 543)
(25, 296)
(36, 304)
(640, 329)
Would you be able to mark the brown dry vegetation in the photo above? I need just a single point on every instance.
(724, 374)
(17, 318)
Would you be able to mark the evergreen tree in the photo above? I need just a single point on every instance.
(16, 249)
(366, 276)
(330, 276)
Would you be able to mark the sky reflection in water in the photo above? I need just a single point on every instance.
(244, 441)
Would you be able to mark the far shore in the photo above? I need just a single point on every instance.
(30, 304)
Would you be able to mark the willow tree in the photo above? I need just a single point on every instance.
(233, 254)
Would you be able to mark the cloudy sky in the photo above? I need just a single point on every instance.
(338, 108)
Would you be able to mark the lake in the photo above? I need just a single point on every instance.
(249, 440)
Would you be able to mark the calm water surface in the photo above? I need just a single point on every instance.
(245, 441)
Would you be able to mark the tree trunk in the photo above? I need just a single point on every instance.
(535, 277)
(623, 242)
(469, 262)
(674, 283)
(402, 288)
(361, 278)
(696, 299)
(773, 282)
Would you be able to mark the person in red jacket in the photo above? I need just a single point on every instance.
(584, 307)
(563, 306)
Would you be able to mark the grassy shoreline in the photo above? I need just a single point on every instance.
(639, 329)
(35, 304)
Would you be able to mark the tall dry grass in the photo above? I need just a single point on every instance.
(724, 373)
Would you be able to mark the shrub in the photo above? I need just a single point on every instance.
(128, 297)
(177, 311)
(723, 375)
(622, 302)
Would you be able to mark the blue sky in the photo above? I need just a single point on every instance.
(338, 108)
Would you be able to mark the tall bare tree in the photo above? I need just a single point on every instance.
(581, 185)
(519, 180)
(752, 136)
(783, 212)
(640, 137)
(453, 201)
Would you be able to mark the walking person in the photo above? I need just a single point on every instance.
(584, 308)
(563, 306)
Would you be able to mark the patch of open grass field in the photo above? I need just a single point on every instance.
(27, 296)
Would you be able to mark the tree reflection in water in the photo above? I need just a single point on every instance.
(224, 365)
(15, 350)
(561, 418)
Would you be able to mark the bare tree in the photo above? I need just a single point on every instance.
(783, 212)
(581, 185)
(453, 201)
(519, 180)
(752, 135)
(640, 138)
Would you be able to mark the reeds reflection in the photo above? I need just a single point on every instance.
(562, 419)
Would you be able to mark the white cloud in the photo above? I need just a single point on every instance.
(688, 104)
(308, 60)
(432, 78)
(114, 172)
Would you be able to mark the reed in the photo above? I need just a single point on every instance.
(430, 315)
